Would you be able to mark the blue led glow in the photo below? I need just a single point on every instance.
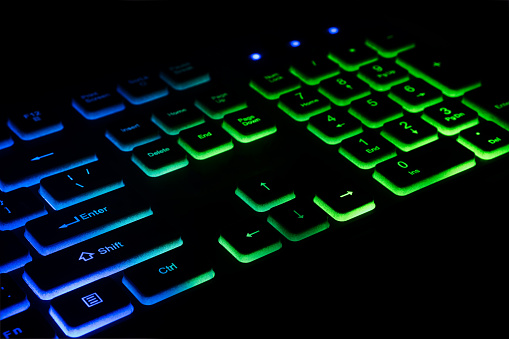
(6, 143)
(295, 43)
(333, 30)
(92, 115)
(91, 325)
(35, 134)
(255, 56)
(142, 99)
(8, 226)
(14, 309)
(12, 265)
(102, 273)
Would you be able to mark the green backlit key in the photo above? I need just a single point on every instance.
(313, 70)
(450, 117)
(249, 240)
(491, 102)
(247, 125)
(450, 75)
(367, 149)
(204, 141)
(412, 171)
(409, 132)
(415, 95)
(351, 56)
(303, 104)
(177, 117)
(375, 110)
(389, 43)
(263, 192)
(334, 126)
(344, 89)
(159, 157)
(487, 140)
(273, 84)
(218, 102)
(383, 74)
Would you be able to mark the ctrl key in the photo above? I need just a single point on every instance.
(88, 308)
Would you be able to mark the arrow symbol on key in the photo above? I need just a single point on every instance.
(346, 194)
(65, 225)
(264, 185)
(250, 235)
(300, 216)
(41, 157)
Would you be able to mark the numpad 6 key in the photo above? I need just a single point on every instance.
(256, 182)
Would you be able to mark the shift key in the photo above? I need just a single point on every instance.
(91, 260)
(64, 228)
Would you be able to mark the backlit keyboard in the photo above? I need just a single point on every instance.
(293, 177)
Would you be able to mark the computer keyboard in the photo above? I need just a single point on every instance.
(334, 175)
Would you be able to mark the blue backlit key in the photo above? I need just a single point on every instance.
(91, 260)
(98, 103)
(142, 88)
(79, 184)
(27, 324)
(18, 207)
(129, 133)
(12, 298)
(35, 123)
(88, 308)
(5, 137)
(13, 254)
(83, 221)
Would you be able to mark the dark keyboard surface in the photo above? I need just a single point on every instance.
(266, 176)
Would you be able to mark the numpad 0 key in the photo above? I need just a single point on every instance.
(252, 177)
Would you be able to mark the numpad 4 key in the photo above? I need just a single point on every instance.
(287, 182)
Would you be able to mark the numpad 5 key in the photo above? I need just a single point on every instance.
(286, 178)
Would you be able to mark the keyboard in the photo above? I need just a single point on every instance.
(265, 175)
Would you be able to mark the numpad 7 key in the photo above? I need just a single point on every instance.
(278, 178)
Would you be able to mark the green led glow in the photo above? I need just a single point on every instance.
(347, 66)
(297, 236)
(342, 101)
(302, 117)
(272, 95)
(372, 123)
(263, 207)
(333, 140)
(445, 90)
(249, 257)
(362, 164)
(402, 191)
(247, 138)
(486, 114)
(160, 171)
(485, 155)
(414, 108)
(216, 115)
(312, 81)
(344, 216)
(207, 154)
(408, 147)
(388, 53)
(381, 87)
(174, 131)
(449, 130)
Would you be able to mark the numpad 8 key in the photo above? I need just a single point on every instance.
(148, 197)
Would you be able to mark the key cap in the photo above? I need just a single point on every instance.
(205, 141)
(389, 43)
(98, 103)
(249, 240)
(218, 102)
(265, 191)
(28, 166)
(109, 253)
(383, 74)
(450, 75)
(79, 184)
(450, 117)
(12, 297)
(274, 84)
(487, 140)
(129, 133)
(344, 89)
(412, 171)
(5, 137)
(17, 207)
(409, 133)
(334, 126)
(248, 125)
(375, 110)
(350, 56)
(177, 117)
(13, 253)
(90, 307)
(83, 221)
(159, 157)
(303, 104)
(313, 70)
(415, 95)
(491, 102)
(298, 220)
(32, 124)
(367, 149)
(27, 324)
(166, 275)
(344, 201)
(184, 75)
(142, 88)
